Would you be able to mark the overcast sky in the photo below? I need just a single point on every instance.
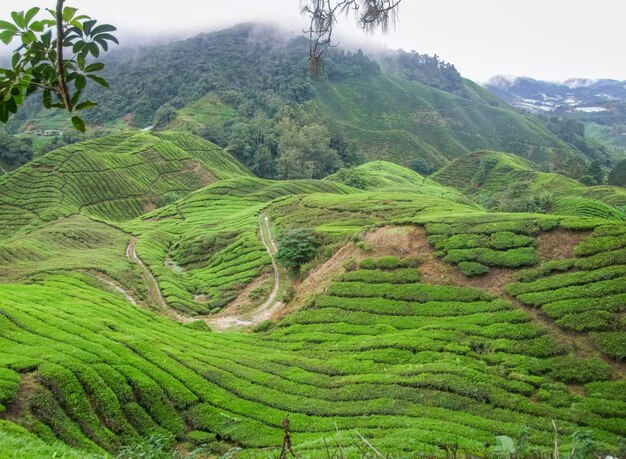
(544, 39)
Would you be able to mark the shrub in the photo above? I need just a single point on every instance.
(364, 246)
(296, 247)
(199, 325)
(557, 265)
(527, 275)
(588, 320)
(548, 224)
(611, 343)
(367, 263)
(571, 370)
(199, 437)
(264, 326)
(349, 265)
(471, 269)
(508, 240)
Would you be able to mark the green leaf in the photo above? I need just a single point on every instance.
(7, 36)
(36, 26)
(505, 446)
(47, 98)
(95, 67)
(68, 13)
(80, 82)
(15, 60)
(75, 97)
(46, 39)
(94, 50)
(4, 113)
(103, 44)
(103, 28)
(84, 105)
(78, 46)
(18, 18)
(87, 26)
(30, 14)
(80, 60)
(101, 81)
(78, 123)
(8, 26)
(28, 37)
(107, 36)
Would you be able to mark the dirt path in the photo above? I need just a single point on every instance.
(154, 292)
(233, 317)
(15, 408)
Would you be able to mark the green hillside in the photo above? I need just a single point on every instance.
(507, 182)
(424, 325)
(113, 178)
(405, 121)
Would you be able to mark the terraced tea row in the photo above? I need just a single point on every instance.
(586, 293)
(455, 367)
(113, 178)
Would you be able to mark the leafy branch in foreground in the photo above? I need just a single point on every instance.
(38, 65)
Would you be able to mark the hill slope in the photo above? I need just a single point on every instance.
(405, 121)
(428, 325)
(507, 182)
(114, 178)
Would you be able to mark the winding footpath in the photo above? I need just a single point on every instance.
(232, 319)
(229, 318)
(154, 292)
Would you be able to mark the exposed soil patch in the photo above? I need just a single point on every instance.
(205, 176)
(147, 205)
(116, 286)
(28, 384)
(559, 244)
(154, 293)
(241, 304)
(397, 241)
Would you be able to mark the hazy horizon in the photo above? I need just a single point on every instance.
(485, 38)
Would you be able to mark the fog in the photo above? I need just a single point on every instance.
(544, 39)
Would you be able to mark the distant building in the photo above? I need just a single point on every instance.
(48, 132)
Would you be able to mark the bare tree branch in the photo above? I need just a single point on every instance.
(370, 15)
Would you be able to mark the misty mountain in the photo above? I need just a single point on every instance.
(573, 95)
(249, 89)
(599, 104)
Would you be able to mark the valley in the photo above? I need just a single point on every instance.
(251, 253)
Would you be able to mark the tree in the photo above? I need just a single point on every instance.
(594, 175)
(14, 151)
(304, 151)
(296, 247)
(39, 64)
(617, 176)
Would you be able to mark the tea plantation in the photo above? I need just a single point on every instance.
(467, 326)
